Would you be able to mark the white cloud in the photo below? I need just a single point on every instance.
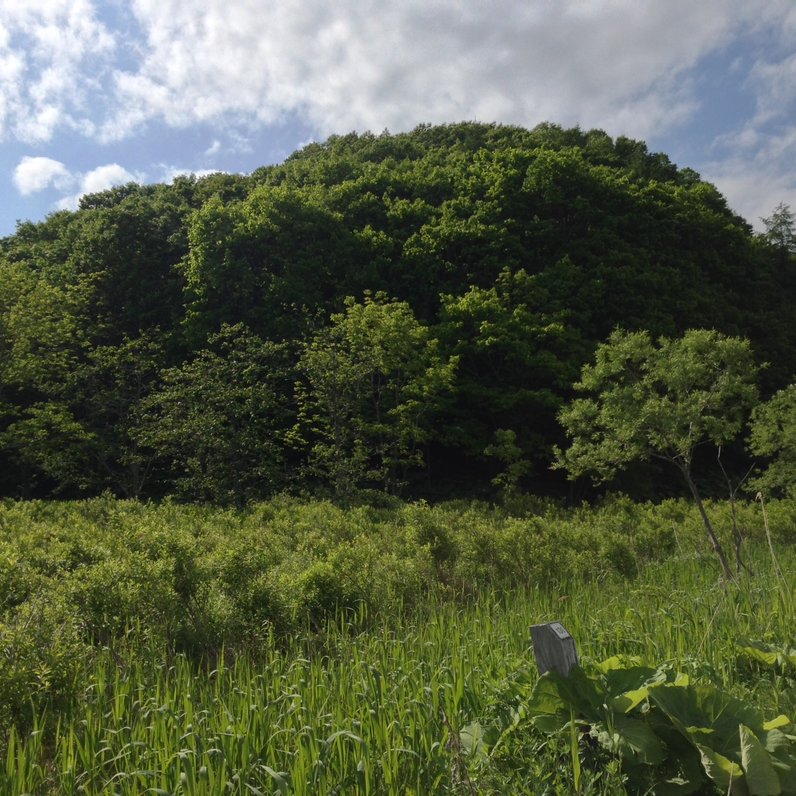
(169, 173)
(754, 163)
(99, 179)
(104, 177)
(359, 64)
(34, 174)
(105, 69)
(367, 64)
(50, 54)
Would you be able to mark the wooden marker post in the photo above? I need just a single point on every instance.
(553, 648)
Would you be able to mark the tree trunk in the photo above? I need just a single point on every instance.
(714, 540)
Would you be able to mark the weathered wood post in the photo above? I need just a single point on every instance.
(554, 648)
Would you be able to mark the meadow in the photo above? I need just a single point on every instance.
(302, 648)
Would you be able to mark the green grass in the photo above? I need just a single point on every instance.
(374, 712)
(368, 700)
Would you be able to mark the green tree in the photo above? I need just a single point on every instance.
(218, 422)
(42, 340)
(517, 360)
(510, 455)
(661, 402)
(46, 439)
(781, 228)
(773, 436)
(372, 380)
(271, 262)
(105, 393)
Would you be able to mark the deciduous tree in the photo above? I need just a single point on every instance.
(372, 379)
(773, 436)
(659, 401)
(218, 422)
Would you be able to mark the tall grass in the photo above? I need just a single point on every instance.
(341, 710)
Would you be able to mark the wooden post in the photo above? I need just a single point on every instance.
(553, 648)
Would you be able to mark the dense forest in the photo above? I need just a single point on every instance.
(404, 313)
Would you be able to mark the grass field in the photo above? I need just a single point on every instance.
(155, 650)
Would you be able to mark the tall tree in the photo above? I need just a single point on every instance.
(773, 436)
(517, 360)
(781, 228)
(217, 424)
(372, 380)
(659, 401)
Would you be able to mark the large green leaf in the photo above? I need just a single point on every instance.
(761, 778)
(555, 696)
(783, 755)
(633, 740)
(778, 721)
(475, 740)
(546, 708)
(768, 654)
(627, 688)
(676, 786)
(707, 715)
(727, 775)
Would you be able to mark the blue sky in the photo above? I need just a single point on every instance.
(98, 92)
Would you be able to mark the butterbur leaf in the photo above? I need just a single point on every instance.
(777, 743)
(727, 775)
(707, 715)
(779, 721)
(579, 693)
(782, 753)
(473, 741)
(621, 662)
(786, 771)
(629, 687)
(546, 707)
(554, 698)
(761, 779)
(677, 786)
(768, 654)
(758, 651)
(633, 740)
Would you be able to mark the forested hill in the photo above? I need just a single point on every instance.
(383, 311)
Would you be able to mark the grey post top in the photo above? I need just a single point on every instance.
(553, 648)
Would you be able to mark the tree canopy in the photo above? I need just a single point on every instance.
(660, 401)
(518, 251)
(773, 438)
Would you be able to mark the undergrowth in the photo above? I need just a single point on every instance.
(302, 648)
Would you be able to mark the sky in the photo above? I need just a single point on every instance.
(94, 93)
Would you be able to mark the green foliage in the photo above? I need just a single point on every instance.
(373, 379)
(781, 229)
(48, 438)
(313, 649)
(519, 250)
(271, 262)
(773, 436)
(42, 658)
(781, 658)
(509, 454)
(515, 363)
(657, 401)
(671, 736)
(218, 422)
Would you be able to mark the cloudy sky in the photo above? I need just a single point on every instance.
(99, 92)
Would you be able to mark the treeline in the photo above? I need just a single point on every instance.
(394, 312)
